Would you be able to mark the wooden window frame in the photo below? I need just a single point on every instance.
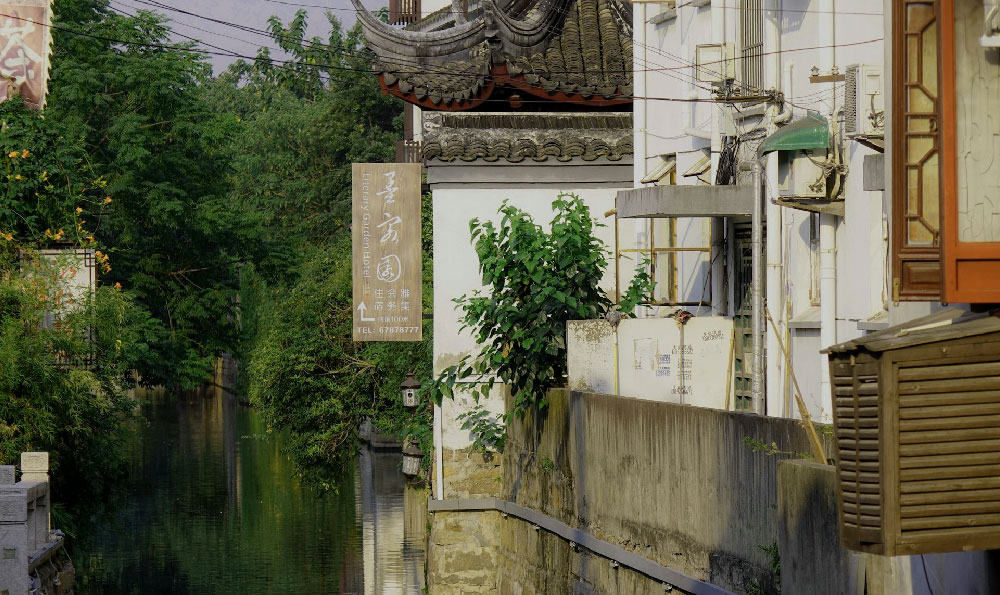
(969, 268)
(916, 270)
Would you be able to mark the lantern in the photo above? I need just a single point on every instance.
(412, 456)
(409, 390)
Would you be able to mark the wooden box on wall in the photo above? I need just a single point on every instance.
(917, 417)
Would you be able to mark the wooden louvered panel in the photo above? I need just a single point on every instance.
(856, 415)
(949, 497)
(949, 423)
(860, 465)
(948, 448)
(945, 399)
(941, 436)
(954, 472)
(923, 387)
(949, 435)
(946, 411)
(952, 508)
(982, 458)
(950, 522)
(949, 371)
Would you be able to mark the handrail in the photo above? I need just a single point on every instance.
(667, 576)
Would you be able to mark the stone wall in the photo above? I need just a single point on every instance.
(676, 484)
(464, 547)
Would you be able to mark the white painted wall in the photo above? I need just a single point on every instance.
(793, 31)
(456, 272)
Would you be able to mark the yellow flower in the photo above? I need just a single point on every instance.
(24, 154)
(118, 286)
(107, 200)
(18, 177)
(8, 237)
(79, 210)
(12, 154)
(45, 176)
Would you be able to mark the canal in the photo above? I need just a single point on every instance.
(212, 507)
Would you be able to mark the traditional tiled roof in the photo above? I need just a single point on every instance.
(517, 137)
(577, 51)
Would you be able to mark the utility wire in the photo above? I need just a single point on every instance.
(283, 63)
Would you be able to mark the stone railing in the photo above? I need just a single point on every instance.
(32, 559)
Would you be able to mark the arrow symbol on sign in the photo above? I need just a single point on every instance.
(362, 308)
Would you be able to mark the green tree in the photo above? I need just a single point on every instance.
(172, 236)
(538, 281)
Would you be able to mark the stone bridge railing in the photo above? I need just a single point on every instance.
(32, 559)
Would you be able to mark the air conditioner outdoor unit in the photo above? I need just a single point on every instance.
(864, 101)
(800, 175)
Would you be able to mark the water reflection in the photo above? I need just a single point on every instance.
(212, 509)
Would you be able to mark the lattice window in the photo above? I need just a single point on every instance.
(916, 166)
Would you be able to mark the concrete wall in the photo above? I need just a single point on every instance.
(657, 359)
(674, 483)
(812, 558)
(794, 33)
(814, 561)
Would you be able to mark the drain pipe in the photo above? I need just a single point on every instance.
(438, 454)
(639, 108)
(828, 224)
(774, 293)
(718, 36)
(757, 283)
(639, 114)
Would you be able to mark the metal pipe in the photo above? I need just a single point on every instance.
(774, 291)
(756, 283)
(828, 223)
(438, 454)
(719, 37)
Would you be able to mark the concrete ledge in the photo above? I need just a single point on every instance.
(667, 576)
(568, 174)
(685, 201)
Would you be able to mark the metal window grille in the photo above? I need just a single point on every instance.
(752, 43)
(666, 266)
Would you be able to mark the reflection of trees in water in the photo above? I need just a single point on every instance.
(393, 563)
(213, 508)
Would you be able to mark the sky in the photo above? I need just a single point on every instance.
(250, 13)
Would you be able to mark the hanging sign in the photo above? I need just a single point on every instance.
(25, 35)
(387, 252)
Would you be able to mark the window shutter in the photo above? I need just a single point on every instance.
(916, 168)
(970, 85)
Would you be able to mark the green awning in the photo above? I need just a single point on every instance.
(810, 132)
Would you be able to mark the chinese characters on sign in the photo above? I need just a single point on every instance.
(387, 252)
(24, 50)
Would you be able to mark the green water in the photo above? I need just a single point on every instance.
(212, 508)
